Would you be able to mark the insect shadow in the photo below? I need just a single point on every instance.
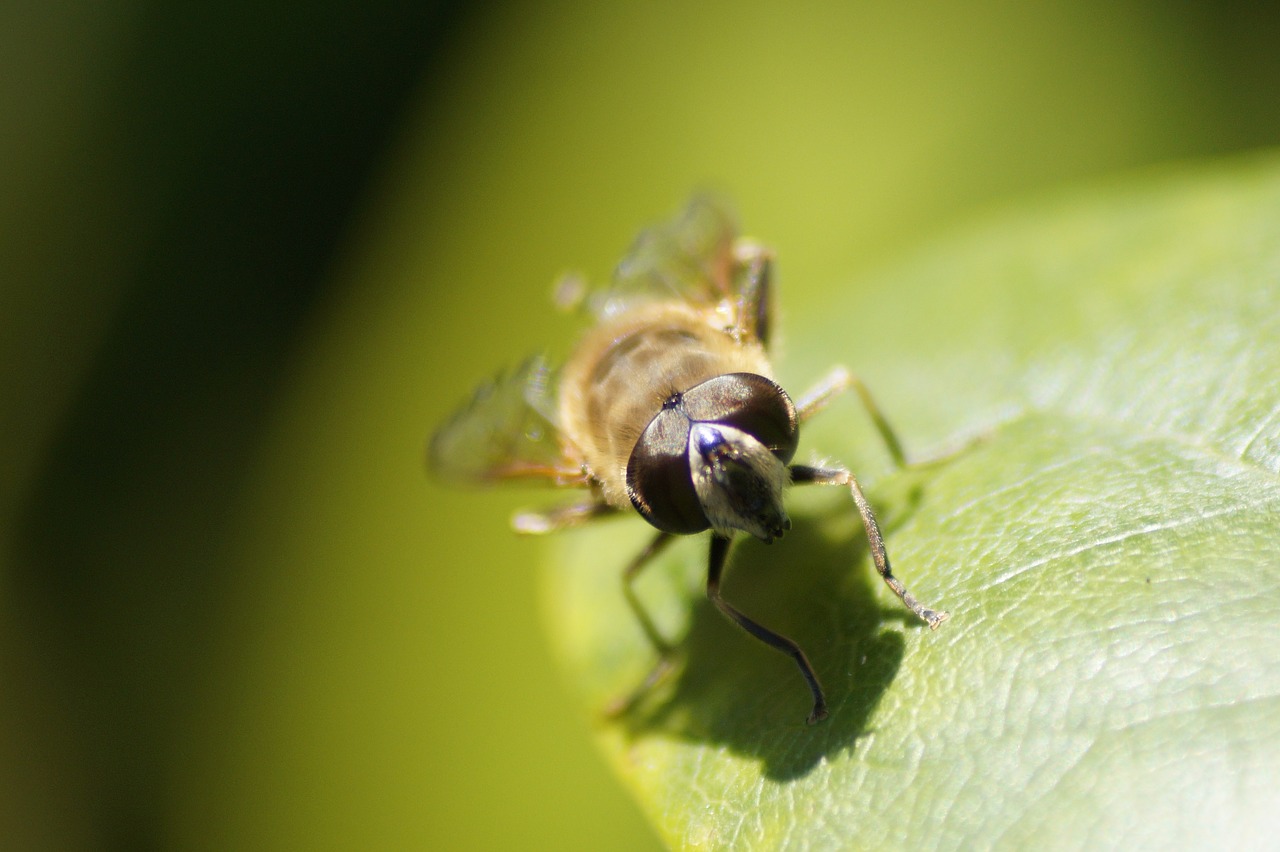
(816, 586)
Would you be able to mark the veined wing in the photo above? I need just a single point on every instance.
(689, 257)
(506, 431)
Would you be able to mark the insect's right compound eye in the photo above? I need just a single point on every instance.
(751, 403)
(658, 478)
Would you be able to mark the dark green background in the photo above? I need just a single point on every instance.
(252, 253)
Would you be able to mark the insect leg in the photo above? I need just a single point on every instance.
(719, 552)
(561, 517)
(755, 308)
(656, 545)
(804, 475)
(666, 652)
(836, 382)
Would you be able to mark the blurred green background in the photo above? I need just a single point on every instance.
(251, 253)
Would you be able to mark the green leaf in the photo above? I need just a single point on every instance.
(1109, 551)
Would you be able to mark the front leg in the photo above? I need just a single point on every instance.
(719, 552)
(805, 475)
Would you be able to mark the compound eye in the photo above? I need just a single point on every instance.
(658, 478)
(751, 403)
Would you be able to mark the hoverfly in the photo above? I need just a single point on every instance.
(668, 407)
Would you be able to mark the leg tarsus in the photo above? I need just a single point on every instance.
(661, 669)
(948, 451)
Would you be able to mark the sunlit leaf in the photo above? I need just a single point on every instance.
(1109, 552)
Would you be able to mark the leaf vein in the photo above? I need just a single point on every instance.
(1145, 529)
(1263, 423)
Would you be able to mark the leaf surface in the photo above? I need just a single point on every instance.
(1109, 550)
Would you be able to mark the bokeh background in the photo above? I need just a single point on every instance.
(251, 252)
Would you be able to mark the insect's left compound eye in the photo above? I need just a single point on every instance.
(750, 403)
(658, 478)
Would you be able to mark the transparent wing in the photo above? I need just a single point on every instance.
(689, 257)
(507, 430)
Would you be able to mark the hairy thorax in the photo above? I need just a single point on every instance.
(627, 367)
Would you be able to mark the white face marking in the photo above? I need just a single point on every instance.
(738, 481)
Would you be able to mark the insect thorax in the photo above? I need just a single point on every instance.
(626, 368)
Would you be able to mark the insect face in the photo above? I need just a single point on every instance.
(739, 482)
(716, 457)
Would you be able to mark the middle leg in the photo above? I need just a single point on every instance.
(836, 382)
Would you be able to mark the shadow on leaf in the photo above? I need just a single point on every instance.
(732, 690)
